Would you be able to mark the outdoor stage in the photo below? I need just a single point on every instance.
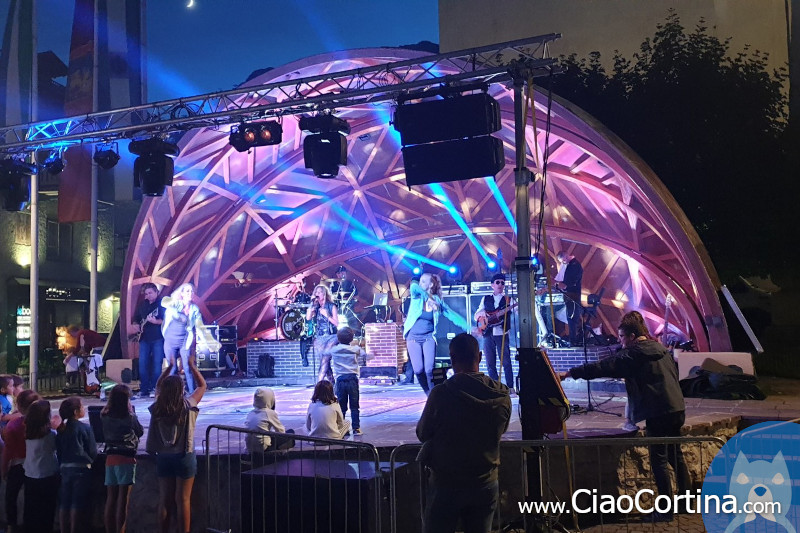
(389, 413)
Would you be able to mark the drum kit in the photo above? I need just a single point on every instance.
(292, 317)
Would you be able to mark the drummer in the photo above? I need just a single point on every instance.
(301, 296)
(344, 290)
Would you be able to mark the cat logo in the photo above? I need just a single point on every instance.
(755, 469)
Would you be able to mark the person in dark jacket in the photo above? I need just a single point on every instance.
(122, 430)
(460, 431)
(77, 450)
(654, 395)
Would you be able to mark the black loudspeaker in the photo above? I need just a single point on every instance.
(478, 157)
(309, 495)
(96, 422)
(266, 366)
(227, 334)
(446, 330)
(447, 119)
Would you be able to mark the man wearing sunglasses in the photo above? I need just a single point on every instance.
(494, 312)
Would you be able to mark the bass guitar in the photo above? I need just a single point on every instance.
(136, 337)
(494, 318)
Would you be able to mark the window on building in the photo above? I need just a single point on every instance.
(59, 242)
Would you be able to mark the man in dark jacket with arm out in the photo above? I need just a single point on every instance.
(654, 395)
(460, 429)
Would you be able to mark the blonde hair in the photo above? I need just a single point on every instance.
(326, 290)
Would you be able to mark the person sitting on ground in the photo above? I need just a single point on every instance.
(122, 430)
(460, 430)
(263, 417)
(324, 418)
(345, 361)
(14, 457)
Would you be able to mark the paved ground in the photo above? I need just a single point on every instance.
(389, 413)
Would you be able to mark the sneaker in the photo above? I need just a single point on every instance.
(357, 432)
(629, 426)
(151, 394)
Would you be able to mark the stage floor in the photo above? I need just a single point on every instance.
(389, 413)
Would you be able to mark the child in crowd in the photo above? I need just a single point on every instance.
(14, 457)
(6, 404)
(41, 470)
(345, 361)
(77, 451)
(325, 418)
(18, 385)
(121, 429)
(170, 438)
(264, 418)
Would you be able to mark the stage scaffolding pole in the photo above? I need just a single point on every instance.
(33, 347)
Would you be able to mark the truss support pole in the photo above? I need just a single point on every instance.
(522, 263)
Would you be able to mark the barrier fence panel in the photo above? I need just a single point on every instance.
(295, 483)
(557, 485)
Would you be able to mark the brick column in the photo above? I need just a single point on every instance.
(385, 342)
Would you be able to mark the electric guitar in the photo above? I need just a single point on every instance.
(494, 318)
(136, 337)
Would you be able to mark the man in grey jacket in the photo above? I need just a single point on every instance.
(460, 429)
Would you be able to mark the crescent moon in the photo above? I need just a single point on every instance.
(190, 4)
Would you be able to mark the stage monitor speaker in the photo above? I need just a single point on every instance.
(513, 332)
(115, 367)
(463, 159)
(445, 329)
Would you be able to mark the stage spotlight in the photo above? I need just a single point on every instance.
(54, 164)
(491, 265)
(106, 156)
(154, 168)
(249, 135)
(453, 270)
(325, 150)
(15, 185)
(416, 270)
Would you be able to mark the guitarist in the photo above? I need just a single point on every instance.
(495, 335)
(148, 318)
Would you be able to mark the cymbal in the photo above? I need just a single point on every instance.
(328, 280)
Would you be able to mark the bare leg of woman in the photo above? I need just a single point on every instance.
(167, 507)
(122, 506)
(110, 509)
(183, 495)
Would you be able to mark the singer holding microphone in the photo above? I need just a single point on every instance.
(325, 317)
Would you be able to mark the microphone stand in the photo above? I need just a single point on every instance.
(590, 407)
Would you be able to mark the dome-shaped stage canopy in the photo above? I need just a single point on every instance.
(244, 227)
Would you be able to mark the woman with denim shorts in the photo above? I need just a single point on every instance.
(121, 429)
(171, 439)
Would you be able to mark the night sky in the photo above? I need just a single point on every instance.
(215, 44)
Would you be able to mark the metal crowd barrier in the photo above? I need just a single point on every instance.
(611, 466)
(299, 484)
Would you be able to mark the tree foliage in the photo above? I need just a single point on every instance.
(712, 127)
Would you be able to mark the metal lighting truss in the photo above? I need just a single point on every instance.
(384, 82)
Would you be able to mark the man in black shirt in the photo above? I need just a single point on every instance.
(148, 318)
(344, 296)
(571, 286)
